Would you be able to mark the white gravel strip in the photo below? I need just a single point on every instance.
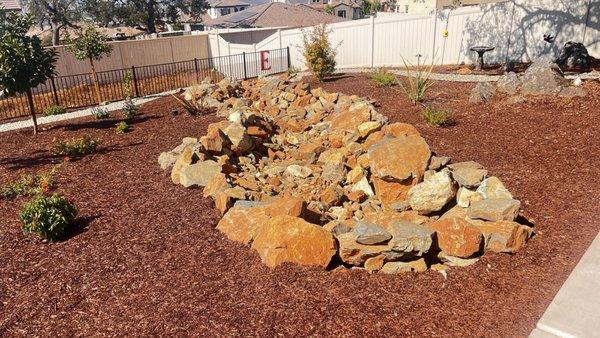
(113, 106)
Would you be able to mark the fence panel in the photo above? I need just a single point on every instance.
(76, 91)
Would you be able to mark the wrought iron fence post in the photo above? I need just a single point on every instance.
(196, 70)
(245, 71)
(135, 83)
(289, 60)
(54, 91)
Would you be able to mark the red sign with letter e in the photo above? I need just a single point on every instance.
(265, 63)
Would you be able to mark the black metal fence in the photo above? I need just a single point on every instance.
(77, 91)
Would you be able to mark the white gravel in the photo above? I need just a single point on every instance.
(113, 106)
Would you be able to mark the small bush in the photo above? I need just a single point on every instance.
(418, 81)
(29, 185)
(48, 217)
(122, 127)
(127, 84)
(292, 71)
(54, 110)
(76, 147)
(436, 117)
(129, 108)
(318, 53)
(100, 113)
(383, 78)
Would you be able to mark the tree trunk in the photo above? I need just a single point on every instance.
(95, 79)
(55, 34)
(32, 110)
(151, 20)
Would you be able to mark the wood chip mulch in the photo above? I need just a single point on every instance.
(146, 259)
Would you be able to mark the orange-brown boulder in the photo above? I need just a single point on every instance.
(291, 239)
(241, 222)
(457, 237)
(504, 236)
(400, 129)
(399, 158)
(290, 206)
(390, 193)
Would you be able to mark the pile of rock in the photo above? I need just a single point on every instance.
(316, 178)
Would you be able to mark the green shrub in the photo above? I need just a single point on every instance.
(318, 53)
(29, 185)
(100, 113)
(48, 217)
(54, 110)
(122, 127)
(76, 147)
(292, 71)
(436, 117)
(383, 78)
(129, 108)
(127, 84)
(418, 81)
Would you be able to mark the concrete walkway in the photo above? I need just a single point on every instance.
(575, 310)
(27, 123)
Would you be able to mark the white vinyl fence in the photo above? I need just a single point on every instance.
(515, 28)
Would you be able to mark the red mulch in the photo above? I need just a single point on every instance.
(147, 259)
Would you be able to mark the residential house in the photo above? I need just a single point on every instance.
(427, 6)
(220, 8)
(350, 9)
(10, 5)
(275, 14)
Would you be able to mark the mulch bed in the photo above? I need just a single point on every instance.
(146, 258)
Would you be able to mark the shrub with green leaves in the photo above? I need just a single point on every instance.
(436, 117)
(29, 185)
(54, 110)
(76, 147)
(129, 108)
(122, 127)
(100, 113)
(127, 84)
(48, 216)
(318, 52)
(292, 71)
(383, 78)
(417, 82)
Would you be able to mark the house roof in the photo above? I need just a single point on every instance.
(228, 3)
(274, 14)
(10, 5)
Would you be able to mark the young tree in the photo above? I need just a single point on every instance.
(149, 12)
(318, 53)
(24, 64)
(92, 45)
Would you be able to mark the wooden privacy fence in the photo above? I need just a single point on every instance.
(77, 91)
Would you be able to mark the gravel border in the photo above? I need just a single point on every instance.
(113, 106)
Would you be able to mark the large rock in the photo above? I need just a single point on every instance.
(290, 239)
(494, 209)
(241, 142)
(392, 194)
(574, 55)
(184, 160)
(167, 159)
(403, 267)
(543, 77)
(410, 237)
(468, 174)
(354, 253)
(509, 83)
(199, 173)
(482, 92)
(291, 206)
(241, 222)
(457, 237)
(432, 194)
(399, 158)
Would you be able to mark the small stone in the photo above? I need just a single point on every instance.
(199, 174)
(241, 142)
(492, 187)
(370, 234)
(166, 160)
(216, 184)
(494, 209)
(504, 236)
(433, 194)
(456, 261)
(410, 237)
(337, 227)
(366, 128)
(465, 196)
(355, 175)
(403, 267)
(457, 237)
(469, 176)
(364, 186)
(291, 206)
(298, 171)
(374, 263)
(438, 162)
